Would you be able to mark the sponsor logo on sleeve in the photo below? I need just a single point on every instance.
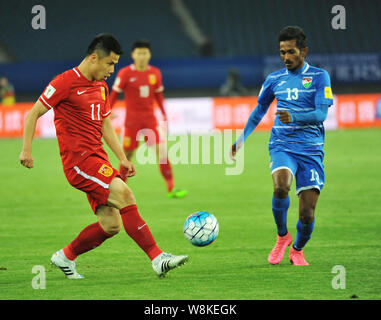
(328, 93)
(49, 91)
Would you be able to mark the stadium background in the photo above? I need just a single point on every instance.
(198, 43)
(195, 50)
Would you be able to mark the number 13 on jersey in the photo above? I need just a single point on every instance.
(292, 94)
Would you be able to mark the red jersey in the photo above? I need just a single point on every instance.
(140, 88)
(79, 107)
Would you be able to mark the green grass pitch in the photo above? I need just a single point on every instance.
(41, 213)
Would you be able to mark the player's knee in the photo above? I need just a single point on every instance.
(109, 219)
(127, 195)
(120, 194)
(124, 197)
(113, 229)
(281, 192)
(306, 215)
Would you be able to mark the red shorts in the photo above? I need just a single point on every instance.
(93, 176)
(149, 130)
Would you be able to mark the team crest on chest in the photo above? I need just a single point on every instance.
(152, 78)
(103, 93)
(307, 82)
(105, 170)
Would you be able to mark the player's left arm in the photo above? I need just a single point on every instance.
(112, 141)
(318, 115)
(323, 100)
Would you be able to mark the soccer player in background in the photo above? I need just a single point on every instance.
(81, 106)
(303, 94)
(142, 86)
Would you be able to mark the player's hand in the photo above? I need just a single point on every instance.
(233, 152)
(26, 159)
(284, 116)
(131, 170)
(234, 149)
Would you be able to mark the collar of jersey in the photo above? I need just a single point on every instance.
(301, 70)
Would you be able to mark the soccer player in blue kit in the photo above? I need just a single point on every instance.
(303, 95)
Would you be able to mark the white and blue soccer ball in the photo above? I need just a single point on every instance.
(201, 228)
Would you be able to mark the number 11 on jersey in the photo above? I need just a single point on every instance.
(98, 108)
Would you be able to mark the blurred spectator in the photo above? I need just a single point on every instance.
(7, 92)
(232, 86)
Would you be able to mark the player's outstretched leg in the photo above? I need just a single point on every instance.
(67, 266)
(277, 253)
(88, 239)
(166, 261)
(305, 226)
(122, 197)
(304, 231)
(282, 179)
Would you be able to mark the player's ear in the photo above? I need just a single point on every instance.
(93, 57)
(304, 52)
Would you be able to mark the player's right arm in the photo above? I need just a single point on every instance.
(265, 98)
(255, 117)
(36, 112)
(53, 94)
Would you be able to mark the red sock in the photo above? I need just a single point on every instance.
(166, 172)
(89, 238)
(138, 230)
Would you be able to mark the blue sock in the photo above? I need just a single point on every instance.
(303, 234)
(280, 208)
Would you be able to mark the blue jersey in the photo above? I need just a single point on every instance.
(297, 91)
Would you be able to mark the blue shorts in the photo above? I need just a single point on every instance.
(308, 170)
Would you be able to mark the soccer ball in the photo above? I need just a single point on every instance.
(201, 228)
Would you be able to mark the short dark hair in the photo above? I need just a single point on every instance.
(291, 33)
(104, 43)
(142, 43)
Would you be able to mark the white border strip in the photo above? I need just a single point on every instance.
(307, 67)
(46, 102)
(284, 167)
(307, 188)
(77, 73)
(96, 180)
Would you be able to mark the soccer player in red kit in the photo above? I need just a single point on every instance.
(142, 86)
(79, 98)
